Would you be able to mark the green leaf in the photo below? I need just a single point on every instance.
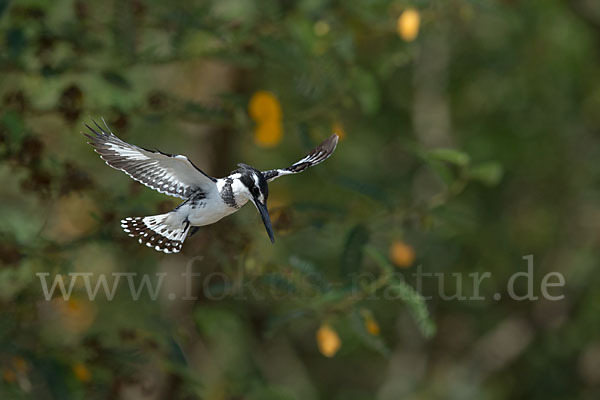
(413, 299)
(379, 259)
(352, 256)
(416, 305)
(216, 322)
(366, 90)
(116, 79)
(3, 6)
(176, 353)
(368, 189)
(442, 170)
(374, 342)
(243, 11)
(15, 127)
(279, 282)
(332, 296)
(277, 321)
(309, 272)
(16, 42)
(488, 173)
(450, 155)
(270, 393)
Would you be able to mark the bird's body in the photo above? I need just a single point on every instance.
(206, 199)
(206, 211)
(207, 208)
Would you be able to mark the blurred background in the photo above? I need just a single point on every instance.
(470, 138)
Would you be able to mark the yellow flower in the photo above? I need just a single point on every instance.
(370, 323)
(9, 375)
(328, 340)
(408, 24)
(81, 372)
(401, 254)
(268, 133)
(264, 106)
(265, 110)
(338, 128)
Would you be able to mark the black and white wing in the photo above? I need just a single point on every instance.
(318, 155)
(174, 175)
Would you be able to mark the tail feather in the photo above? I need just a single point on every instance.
(157, 231)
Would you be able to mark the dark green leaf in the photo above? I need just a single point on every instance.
(366, 90)
(309, 272)
(116, 79)
(16, 41)
(14, 125)
(352, 256)
(416, 305)
(450, 155)
(279, 282)
(374, 342)
(488, 173)
(413, 300)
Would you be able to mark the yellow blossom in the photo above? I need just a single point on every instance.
(402, 254)
(408, 24)
(268, 133)
(265, 110)
(371, 324)
(81, 372)
(328, 340)
(264, 107)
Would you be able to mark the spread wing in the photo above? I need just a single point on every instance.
(318, 155)
(174, 175)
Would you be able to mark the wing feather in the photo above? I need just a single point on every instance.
(319, 154)
(174, 175)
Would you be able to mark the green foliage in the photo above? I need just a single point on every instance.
(352, 257)
(449, 155)
(461, 151)
(488, 173)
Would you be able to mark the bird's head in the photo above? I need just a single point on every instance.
(257, 189)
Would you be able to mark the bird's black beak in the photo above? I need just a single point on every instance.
(264, 214)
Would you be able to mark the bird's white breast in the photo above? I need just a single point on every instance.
(206, 211)
(213, 208)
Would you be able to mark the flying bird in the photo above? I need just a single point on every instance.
(205, 199)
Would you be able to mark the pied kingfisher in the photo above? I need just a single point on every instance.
(206, 199)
